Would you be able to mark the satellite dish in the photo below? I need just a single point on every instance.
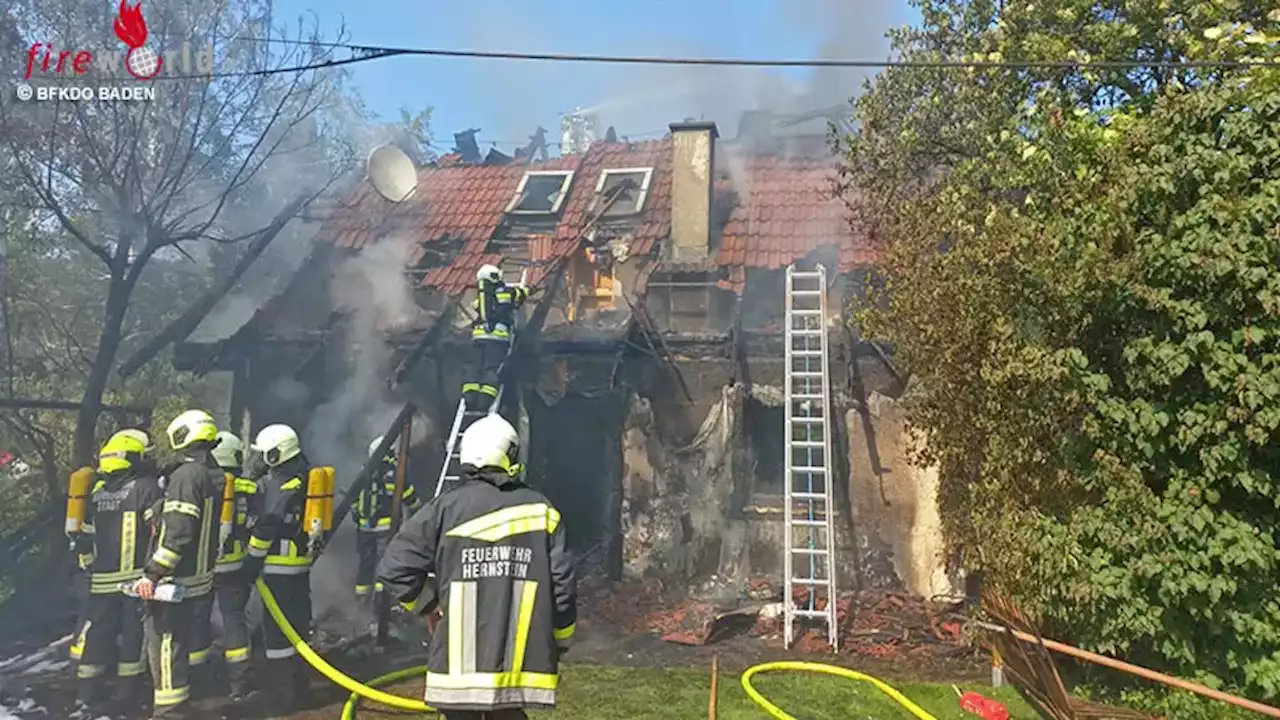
(392, 173)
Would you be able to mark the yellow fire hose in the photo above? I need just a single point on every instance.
(792, 666)
(370, 691)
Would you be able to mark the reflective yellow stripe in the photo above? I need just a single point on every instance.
(461, 617)
(294, 484)
(86, 672)
(185, 508)
(528, 595)
(128, 539)
(130, 669)
(245, 487)
(502, 524)
(565, 633)
(166, 665)
(288, 560)
(198, 657)
(87, 529)
(235, 655)
(463, 681)
(172, 697)
(78, 648)
(257, 543)
(166, 557)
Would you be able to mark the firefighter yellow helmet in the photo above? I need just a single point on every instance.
(490, 442)
(277, 443)
(229, 452)
(141, 437)
(191, 427)
(122, 452)
(488, 273)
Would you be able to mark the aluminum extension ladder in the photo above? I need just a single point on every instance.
(810, 557)
(451, 468)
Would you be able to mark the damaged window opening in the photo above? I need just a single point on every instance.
(764, 425)
(687, 302)
(541, 192)
(631, 200)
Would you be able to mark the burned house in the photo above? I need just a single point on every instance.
(649, 384)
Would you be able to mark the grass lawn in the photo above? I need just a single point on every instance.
(592, 692)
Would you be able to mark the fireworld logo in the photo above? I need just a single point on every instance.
(140, 61)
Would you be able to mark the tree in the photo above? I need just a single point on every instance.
(1078, 270)
(138, 184)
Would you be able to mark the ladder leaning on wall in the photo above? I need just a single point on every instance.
(810, 558)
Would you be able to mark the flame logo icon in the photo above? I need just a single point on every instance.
(141, 61)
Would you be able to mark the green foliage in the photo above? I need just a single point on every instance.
(1080, 271)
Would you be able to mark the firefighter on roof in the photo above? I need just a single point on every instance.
(230, 584)
(371, 514)
(279, 549)
(185, 550)
(112, 547)
(495, 306)
(503, 576)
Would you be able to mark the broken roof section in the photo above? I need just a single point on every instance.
(779, 210)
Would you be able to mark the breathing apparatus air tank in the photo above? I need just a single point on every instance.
(77, 499)
(317, 514)
(227, 520)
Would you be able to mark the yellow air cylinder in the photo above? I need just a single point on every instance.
(227, 520)
(77, 498)
(318, 512)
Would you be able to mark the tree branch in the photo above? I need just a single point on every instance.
(179, 329)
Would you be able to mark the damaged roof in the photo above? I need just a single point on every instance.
(782, 209)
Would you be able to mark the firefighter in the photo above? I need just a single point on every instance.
(371, 514)
(495, 306)
(279, 549)
(503, 576)
(230, 584)
(112, 547)
(184, 555)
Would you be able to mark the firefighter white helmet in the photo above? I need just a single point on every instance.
(277, 443)
(229, 452)
(490, 442)
(489, 273)
(191, 427)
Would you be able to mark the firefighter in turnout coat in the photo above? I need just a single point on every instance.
(503, 576)
(279, 549)
(495, 306)
(230, 583)
(371, 515)
(113, 549)
(185, 549)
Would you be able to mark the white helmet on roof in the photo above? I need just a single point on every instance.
(277, 443)
(489, 273)
(229, 452)
(490, 442)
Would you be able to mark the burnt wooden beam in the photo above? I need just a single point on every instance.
(419, 350)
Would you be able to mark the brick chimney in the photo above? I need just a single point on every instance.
(693, 150)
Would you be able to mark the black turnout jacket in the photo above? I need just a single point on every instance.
(491, 553)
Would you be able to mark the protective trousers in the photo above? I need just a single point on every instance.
(169, 627)
(369, 547)
(111, 646)
(483, 389)
(286, 673)
(232, 590)
(201, 644)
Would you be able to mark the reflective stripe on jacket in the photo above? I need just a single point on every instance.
(278, 543)
(246, 511)
(495, 308)
(372, 509)
(116, 534)
(505, 579)
(185, 548)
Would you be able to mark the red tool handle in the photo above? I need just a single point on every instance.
(983, 707)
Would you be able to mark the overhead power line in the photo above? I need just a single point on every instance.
(366, 53)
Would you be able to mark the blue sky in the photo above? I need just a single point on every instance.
(507, 100)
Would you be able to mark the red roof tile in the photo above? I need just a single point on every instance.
(786, 208)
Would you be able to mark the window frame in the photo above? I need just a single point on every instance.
(565, 184)
(644, 187)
